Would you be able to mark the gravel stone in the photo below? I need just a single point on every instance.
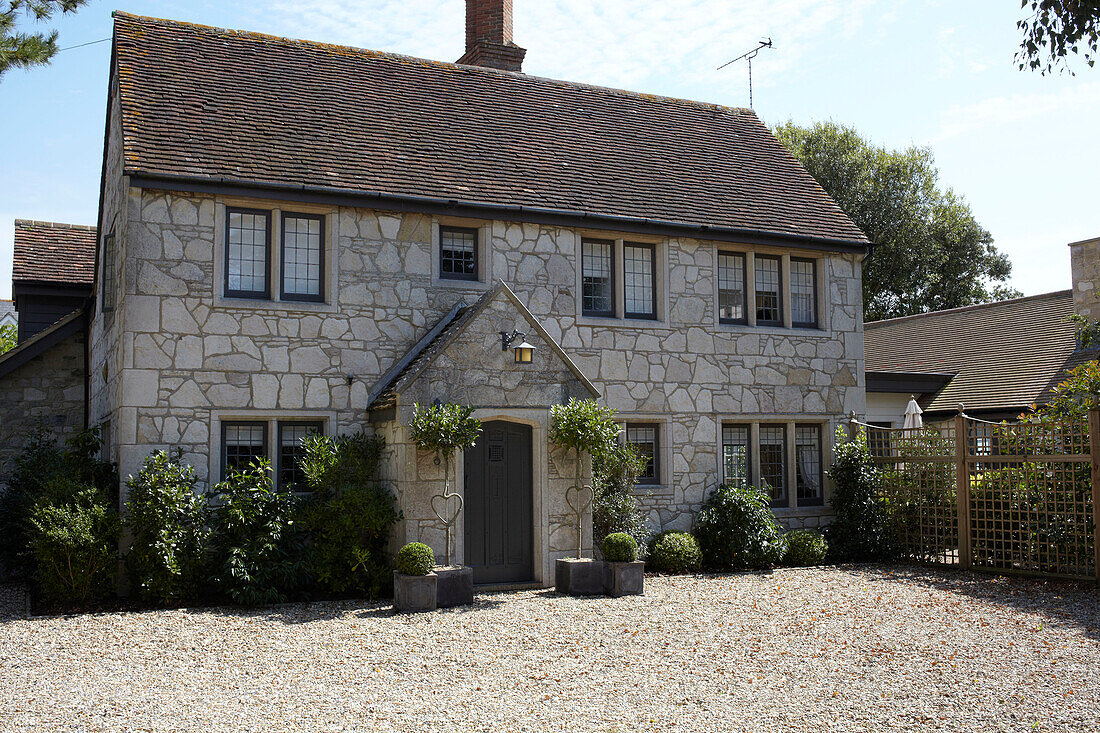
(866, 648)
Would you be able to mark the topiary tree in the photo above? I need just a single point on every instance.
(583, 426)
(861, 529)
(737, 529)
(444, 429)
(674, 552)
(415, 558)
(619, 547)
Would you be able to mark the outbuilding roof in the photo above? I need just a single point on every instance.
(1005, 356)
(210, 104)
(48, 252)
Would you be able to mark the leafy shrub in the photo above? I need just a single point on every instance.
(614, 506)
(583, 426)
(254, 556)
(444, 428)
(415, 558)
(75, 548)
(805, 547)
(619, 547)
(166, 516)
(737, 529)
(349, 516)
(674, 552)
(861, 529)
(48, 473)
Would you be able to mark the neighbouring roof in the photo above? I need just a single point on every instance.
(53, 253)
(1005, 356)
(225, 106)
(42, 342)
(7, 308)
(424, 352)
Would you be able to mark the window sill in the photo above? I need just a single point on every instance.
(647, 324)
(741, 328)
(802, 511)
(456, 284)
(223, 302)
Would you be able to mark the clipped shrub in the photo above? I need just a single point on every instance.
(805, 547)
(615, 508)
(674, 552)
(349, 516)
(737, 529)
(254, 556)
(415, 558)
(166, 516)
(619, 547)
(75, 548)
(861, 529)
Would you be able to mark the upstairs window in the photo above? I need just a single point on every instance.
(303, 257)
(108, 293)
(291, 434)
(242, 443)
(731, 288)
(773, 461)
(640, 280)
(768, 289)
(248, 245)
(807, 455)
(597, 266)
(736, 455)
(644, 437)
(458, 253)
(803, 293)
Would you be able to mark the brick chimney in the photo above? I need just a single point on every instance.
(1084, 261)
(489, 36)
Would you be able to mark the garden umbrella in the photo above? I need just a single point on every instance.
(913, 412)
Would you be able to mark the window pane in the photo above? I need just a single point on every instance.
(302, 244)
(807, 442)
(767, 290)
(596, 259)
(244, 443)
(773, 461)
(803, 293)
(458, 253)
(109, 271)
(735, 453)
(247, 248)
(291, 477)
(644, 440)
(639, 277)
(731, 287)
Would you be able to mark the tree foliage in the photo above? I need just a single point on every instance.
(929, 251)
(21, 49)
(584, 426)
(8, 338)
(444, 428)
(1055, 29)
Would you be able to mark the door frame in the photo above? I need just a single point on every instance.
(536, 419)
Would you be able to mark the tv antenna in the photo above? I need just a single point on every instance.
(749, 56)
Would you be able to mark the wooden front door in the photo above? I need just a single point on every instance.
(499, 505)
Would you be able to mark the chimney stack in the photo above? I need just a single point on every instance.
(489, 36)
(1084, 259)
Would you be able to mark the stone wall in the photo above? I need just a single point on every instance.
(191, 357)
(1084, 261)
(49, 391)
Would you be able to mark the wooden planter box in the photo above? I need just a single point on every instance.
(414, 593)
(455, 586)
(624, 578)
(584, 577)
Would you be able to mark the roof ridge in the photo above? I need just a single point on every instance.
(417, 59)
(976, 306)
(52, 224)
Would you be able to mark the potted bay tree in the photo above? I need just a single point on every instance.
(581, 426)
(445, 429)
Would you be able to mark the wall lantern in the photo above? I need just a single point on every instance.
(525, 352)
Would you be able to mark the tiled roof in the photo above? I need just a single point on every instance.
(208, 103)
(1007, 355)
(55, 253)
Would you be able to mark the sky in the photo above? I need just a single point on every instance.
(1023, 149)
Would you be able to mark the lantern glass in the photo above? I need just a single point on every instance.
(525, 353)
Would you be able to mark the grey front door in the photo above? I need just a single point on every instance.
(499, 505)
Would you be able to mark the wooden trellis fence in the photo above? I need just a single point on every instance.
(1013, 498)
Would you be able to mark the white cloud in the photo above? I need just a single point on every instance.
(1008, 111)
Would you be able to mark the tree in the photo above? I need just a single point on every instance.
(7, 338)
(929, 252)
(1058, 28)
(24, 50)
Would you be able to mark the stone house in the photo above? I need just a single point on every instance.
(8, 314)
(301, 237)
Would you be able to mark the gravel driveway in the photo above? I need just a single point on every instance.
(863, 648)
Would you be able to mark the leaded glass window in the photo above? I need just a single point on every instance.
(458, 253)
(242, 443)
(291, 477)
(640, 280)
(303, 257)
(808, 462)
(731, 287)
(768, 298)
(644, 438)
(773, 461)
(736, 454)
(246, 253)
(804, 293)
(597, 265)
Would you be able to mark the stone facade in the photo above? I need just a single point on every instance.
(47, 391)
(1084, 261)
